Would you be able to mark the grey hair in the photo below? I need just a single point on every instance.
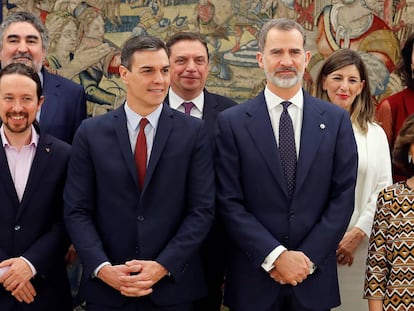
(285, 24)
(25, 17)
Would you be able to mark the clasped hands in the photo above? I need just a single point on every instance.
(17, 279)
(135, 278)
(291, 267)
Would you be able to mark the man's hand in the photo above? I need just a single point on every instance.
(112, 275)
(25, 294)
(71, 255)
(17, 276)
(16, 279)
(291, 267)
(141, 284)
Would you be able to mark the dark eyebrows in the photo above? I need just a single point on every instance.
(15, 36)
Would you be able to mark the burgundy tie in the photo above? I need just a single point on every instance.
(141, 152)
(187, 107)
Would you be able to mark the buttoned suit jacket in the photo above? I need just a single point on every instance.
(34, 227)
(214, 247)
(64, 107)
(110, 219)
(253, 200)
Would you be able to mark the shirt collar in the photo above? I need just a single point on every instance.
(134, 118)
(176, 101)
(34, 140)
(272, 100)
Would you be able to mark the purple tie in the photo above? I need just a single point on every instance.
(287, 148)
(187, 107)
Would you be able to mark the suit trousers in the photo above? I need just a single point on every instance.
(287, 301)
(141, 304)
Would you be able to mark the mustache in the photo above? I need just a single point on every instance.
(17, 114)
(283, 69)
(22, 55)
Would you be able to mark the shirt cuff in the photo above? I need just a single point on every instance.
(95, 272)
(271, 258)
(34, 272)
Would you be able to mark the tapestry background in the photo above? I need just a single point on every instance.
(86, 37)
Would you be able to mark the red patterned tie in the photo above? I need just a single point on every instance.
(141, 152)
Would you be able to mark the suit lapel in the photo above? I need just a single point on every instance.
(165, 125)
(38, 169)
(314, 127)
(6, 178)
(263, 136)
(51, 105)
(209, 109)
(120, 127)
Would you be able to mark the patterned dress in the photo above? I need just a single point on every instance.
(390, 263)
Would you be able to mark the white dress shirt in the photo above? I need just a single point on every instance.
(273, 103)
(176, 103)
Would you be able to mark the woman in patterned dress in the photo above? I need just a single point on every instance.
(389, 279)
(343, 80)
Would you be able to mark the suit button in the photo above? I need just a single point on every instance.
(291, 213)
(16, 228)
(140, 218)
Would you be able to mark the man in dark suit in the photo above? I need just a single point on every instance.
(33, 240)
(189, 67)
(138, 234)
(24, 39)
(286, 168)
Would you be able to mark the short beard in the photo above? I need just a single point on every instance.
(284, 83)
(19, 130)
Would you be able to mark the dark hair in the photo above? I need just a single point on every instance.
(24, 70)
(402, 146)
(185, 36)
(141, 43)
(362, 109)
(404, 65)
(285, 24)
(25, 17)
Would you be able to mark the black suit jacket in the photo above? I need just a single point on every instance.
(64, 107)
(34, 227)
(110, 219)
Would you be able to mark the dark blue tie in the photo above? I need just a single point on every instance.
(287, 148)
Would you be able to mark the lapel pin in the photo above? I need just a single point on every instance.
(47, 149)
(322, 126)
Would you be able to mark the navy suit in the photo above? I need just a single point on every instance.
(253, 200)
(213, 250)
(110, 219)
(34, 227)
(64, 107)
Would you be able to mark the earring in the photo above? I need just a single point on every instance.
(410, 158)
(412, 72)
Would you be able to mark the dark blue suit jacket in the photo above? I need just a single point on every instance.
(34, 227)
(253, 200)
(64, 107)
(109, 219)
(213, 105)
